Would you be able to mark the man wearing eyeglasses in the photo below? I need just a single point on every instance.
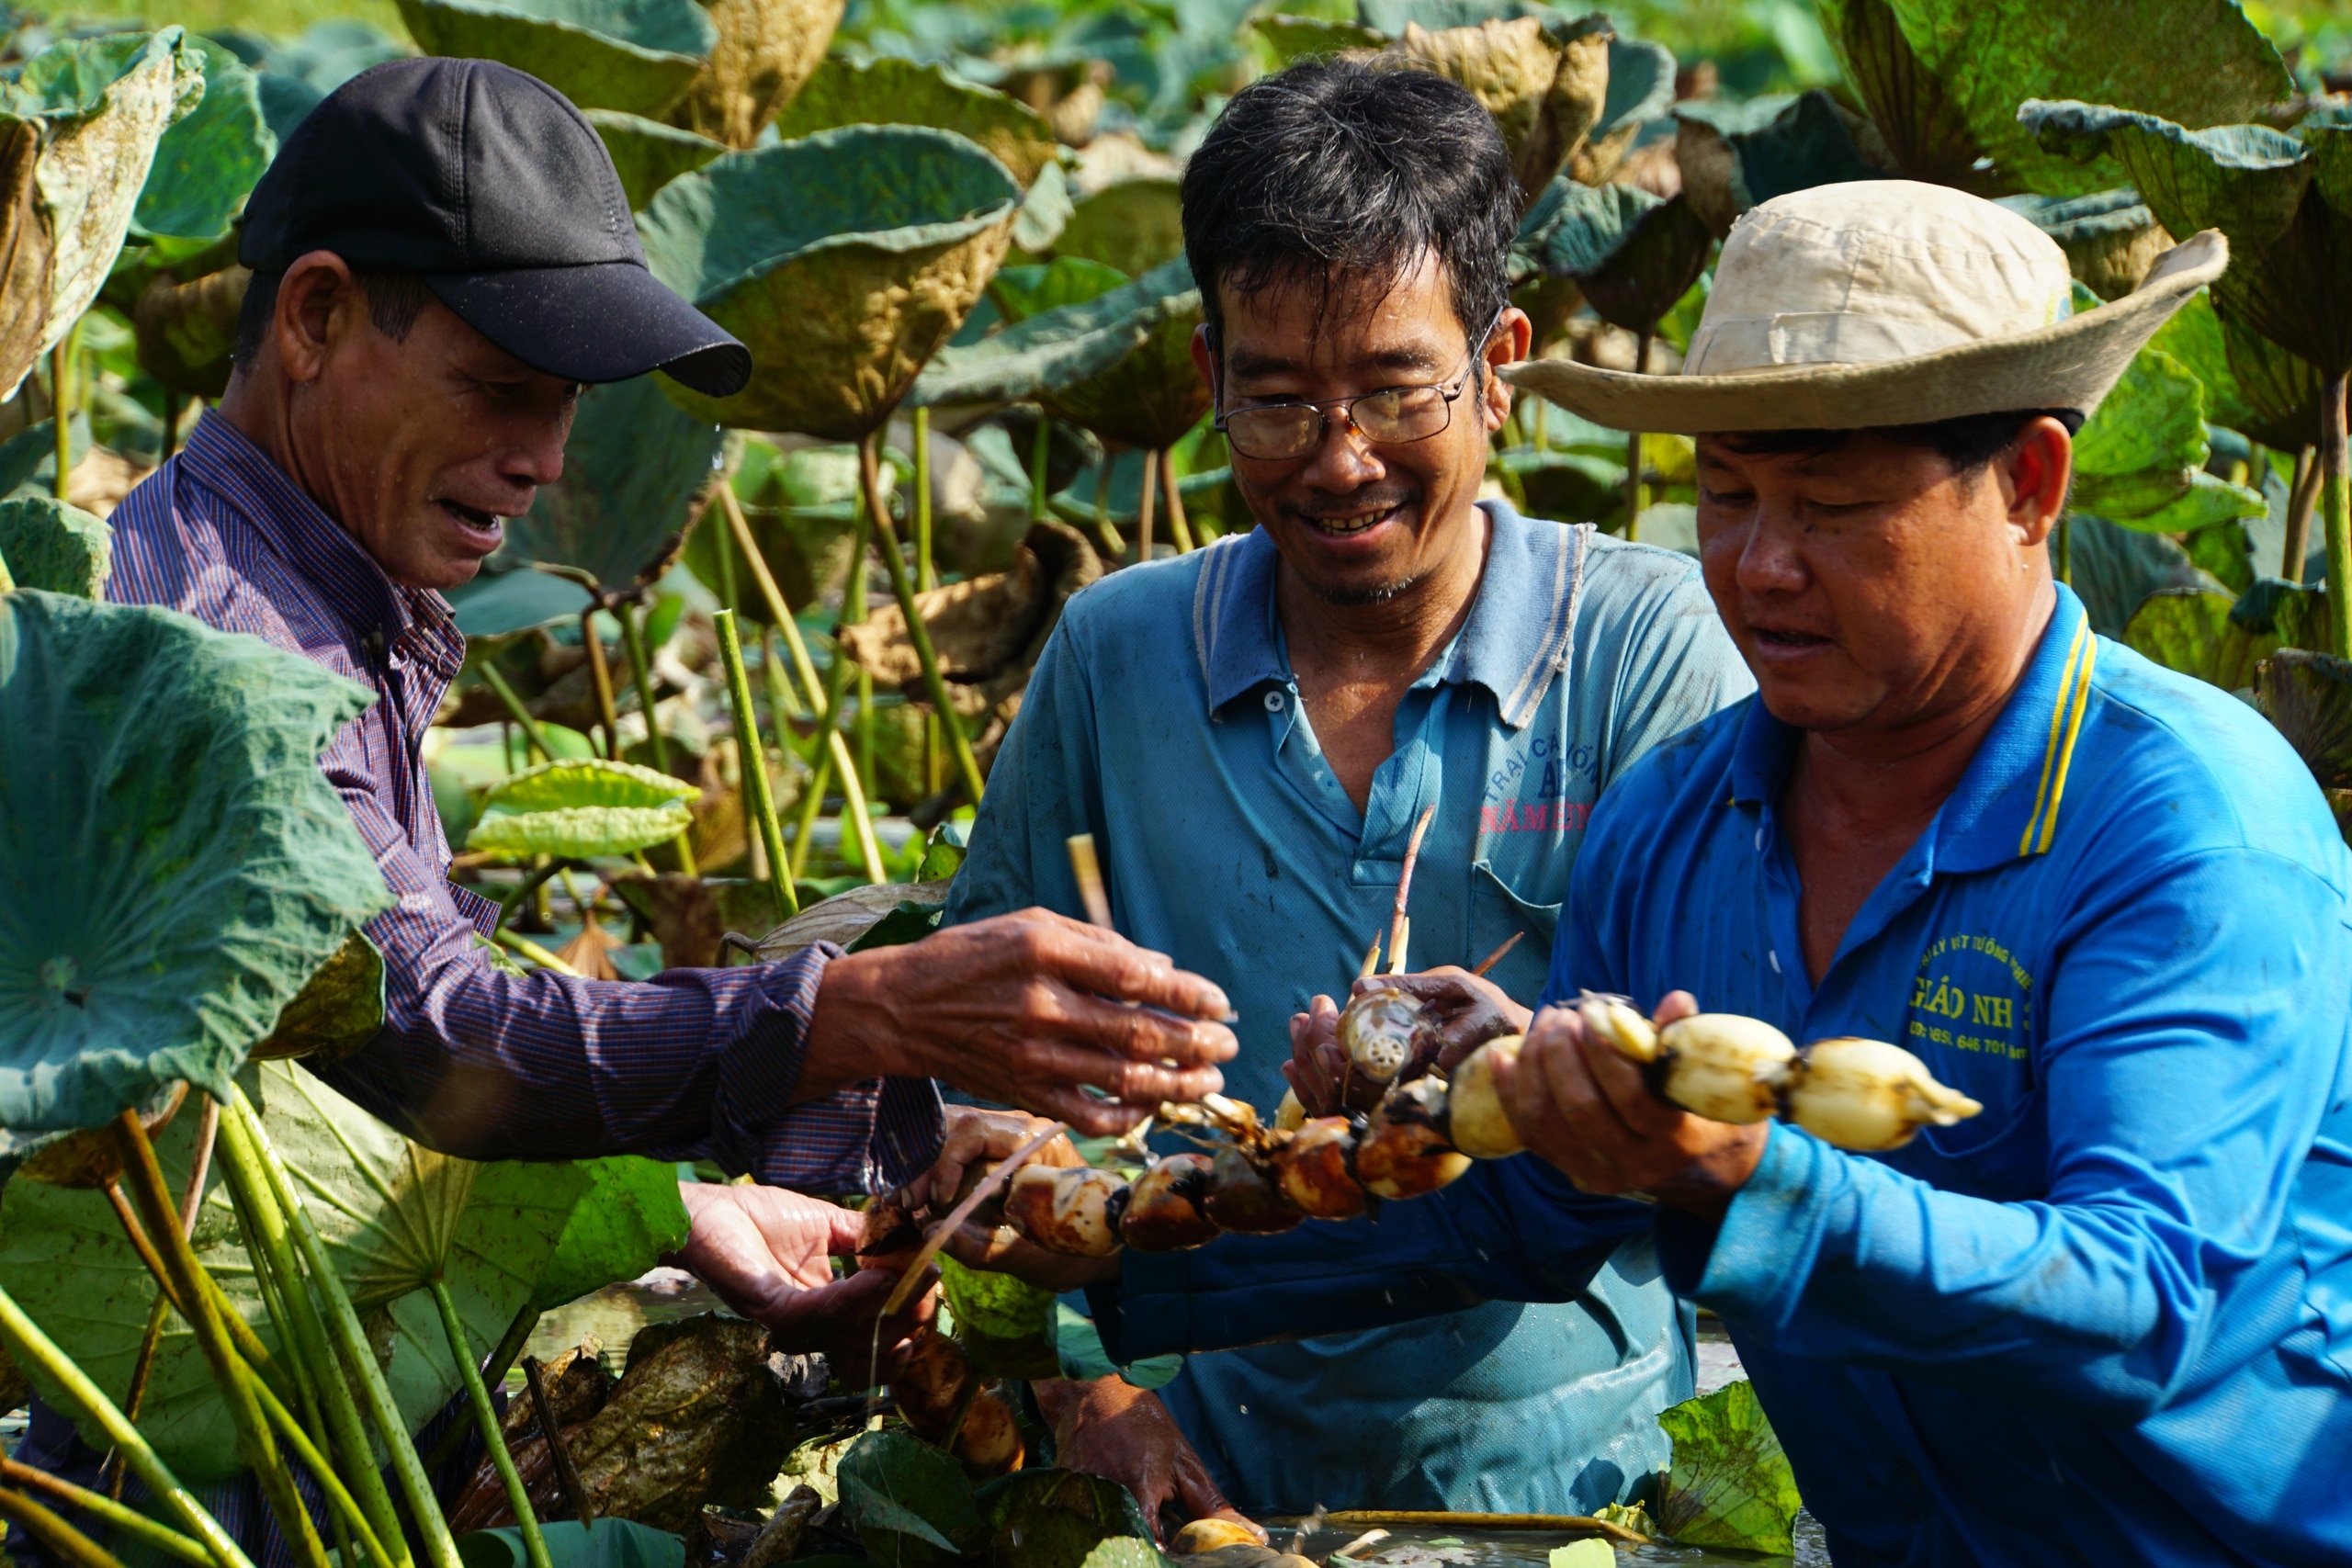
(1252, 731)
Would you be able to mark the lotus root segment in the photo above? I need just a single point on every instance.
(1722, 1066)
(1404, 1153)
(1245, 1196)
(1314, 1170)
(1384, 1031)
(1166, 1207)
(1475, 1120)
(1069, 1211)
(1870, 1096)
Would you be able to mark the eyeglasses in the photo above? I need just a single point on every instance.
(1394, 416)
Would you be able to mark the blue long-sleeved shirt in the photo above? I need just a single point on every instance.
(2109, 1319)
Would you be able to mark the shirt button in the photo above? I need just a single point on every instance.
(1274, 702)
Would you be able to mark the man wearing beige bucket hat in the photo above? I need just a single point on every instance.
(2107, 1319)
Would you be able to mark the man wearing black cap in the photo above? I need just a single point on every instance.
(441, 255)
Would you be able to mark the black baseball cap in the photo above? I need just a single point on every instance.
(495, 190)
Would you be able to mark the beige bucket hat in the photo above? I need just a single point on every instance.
(1883, 302)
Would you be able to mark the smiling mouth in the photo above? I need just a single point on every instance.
(1792, 641)
(1353, 522)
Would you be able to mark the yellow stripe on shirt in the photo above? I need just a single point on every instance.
(2052, 767)
(2074, 729)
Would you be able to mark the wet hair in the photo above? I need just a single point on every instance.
(395, 300)
(1968, 445)
(1337, 173)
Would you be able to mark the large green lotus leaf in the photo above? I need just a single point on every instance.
(2252, 384)
(1082, 319)
(1641, 90)
(630, 1218)
(1942, 79)
(2115, 569)
(1731, 1485)
(582, 809)
(2110, 238)
(843, 259)
(1134, 225)
(48, 544)
(2309, 696)
(208, 162)
(2137, 453)
(890, 91)
(632, 467)
(1733, 156)
(909, 1502)
(648, 154)
(337, 1012)
(1631, 255)
(637, 56)
(1052, 1519)
(95, 108)
(1154, 394)
(172, 864)
(2189, 630)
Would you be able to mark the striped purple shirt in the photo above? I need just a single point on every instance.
(475, 1061)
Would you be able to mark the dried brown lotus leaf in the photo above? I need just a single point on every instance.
(185, 329)
(767, 51)
(27, 254)
(1545, 93)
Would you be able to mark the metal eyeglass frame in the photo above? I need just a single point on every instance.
(1347, 406)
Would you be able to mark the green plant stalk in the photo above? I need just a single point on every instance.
(351, 1342)
(641, 670)
(601, 678)
(2301, 495)
(531, 950)
(1107, 537)
(54, 1533)
(61, 361)
(128, 1520)
(1040, 457)
(208, 1136)
(32, 1349)
(753, 754)
(534, 1546)
(854, 612)
(340, 1503)
(305, 1335)
(810, 808)
(313, 1443)
(202, 1309)
(2336, 513)
(926, 579)
(507, 907)
(784, 702)
(719, 544)
(532, 737)
(493, 1372)
(935, 684)
(1179, 527)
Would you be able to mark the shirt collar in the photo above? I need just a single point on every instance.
(414, 621)
(2008, 804)
(1514, 642)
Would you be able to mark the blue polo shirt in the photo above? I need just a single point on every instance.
(1164, 719)
(2109, 1320)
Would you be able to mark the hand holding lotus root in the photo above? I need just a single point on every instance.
(1428, 1125)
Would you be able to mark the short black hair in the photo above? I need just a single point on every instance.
(1968, 444)
(1349, 165)
(395, 300)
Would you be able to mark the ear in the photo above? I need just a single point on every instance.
(1204, 360)
(319, 301)
(1507, 344)
(2035, 478)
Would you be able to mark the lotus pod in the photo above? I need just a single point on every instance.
(1475, 1121)
(92, 1158)
(1870, 1096)
(1165, 1208)
(1544, 90)
(1244, 1197)
(1384, 1032)
(1404, 1152)
(890, 91)
(766, 51)
(1722, 1066)
(637, 56)
(843, 260)
(1073, 1210)
(1315, 1170)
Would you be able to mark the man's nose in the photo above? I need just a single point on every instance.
(1344, 460)
(535, 457)
(1770, 560)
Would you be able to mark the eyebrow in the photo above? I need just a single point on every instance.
(1242, 363)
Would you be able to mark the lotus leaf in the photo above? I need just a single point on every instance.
(580, 808)
(908, 1501)
(1134, 225)
(1300, 37)
(1632, 254)
(78, 131)
(1942, 79)
(1153, 394)
(50, 544)
(2146, 448)
(1731, 1484)
(1052, 1519)
(497, 602)
(845, 259)
(392, 1215)
(337, 1013)
(2114, 569)
(901, 91)
(637, 56)
(1392, 17)
(2110, 238)
(2190, 630)
(174, 770)
(648, 154)
(1545, 84)
(185, 331)
(1641, 90)
(766, 49)
(208, 163)
(2252, 384)
(632, 468)
(2309, 696)
(1734, 155)
(1071, 321)
(630, 1218)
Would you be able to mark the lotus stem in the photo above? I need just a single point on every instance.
(812, 804)
(30, 1348)
(1040, 460)
(1634, 452)
(641, 670)
(2336, 508)
(539, 877)
(493, 1372)
(719, 544)
(54, 1532)
(199, 1305)
(1180, 528)
(200, 1167)
(60, 362)
(1143, 505)
(532, 735)
(854, 612)
(537, 954)
(305, 1335)
(351, 1342)
(925, 578)
(601, 678)
(757, 795)
(130, 1521)
(2301, 495)
(1400, 924)
(935, 683)
(340, 1502)
(778, 611)
(567, 1474)
(534, 1546)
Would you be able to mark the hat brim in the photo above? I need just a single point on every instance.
(603, 321)
(2071, 364)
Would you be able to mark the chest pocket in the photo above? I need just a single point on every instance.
(1496, 913)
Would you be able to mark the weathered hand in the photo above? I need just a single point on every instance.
(1579, 1103)
(1001, 1250)
(1317, 1065)
(1467, 1009)
(977, 1137)
(768, 1254)
(1024, 1008)
(1111, 1428)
